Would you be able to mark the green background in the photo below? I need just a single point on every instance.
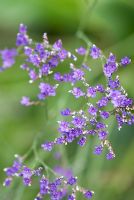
(110, 25)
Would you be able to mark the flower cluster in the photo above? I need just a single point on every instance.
(57, 189)
(101, 102)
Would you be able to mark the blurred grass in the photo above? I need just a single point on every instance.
(110, 26)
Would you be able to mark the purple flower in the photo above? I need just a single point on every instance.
(95, 52)
(88, 194)
(110, 156)
(111, 58)
(57, 45)
(22, 37)
(7, 182)
(81, 51)
(102, 134)
(72, 180)
(98, 150)
(32, 74)
(64, 126)
(8, 57)
(109, 69)
(47, 90)
(58, 76)
(78, 74)
(92, 110)
(77, 92)
(26, 174)
(114, 83)
(104, 114)
(48, 146)
(82, 141)
(91, 92)
(125, 61)
(102, 102)
(100, 125)
(78, 122)
(66, 112)
(25, 101)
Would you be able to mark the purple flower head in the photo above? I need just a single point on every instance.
(57, 45)
(25, 101)
(22, 28)
(78, 74)
(71, 197)
(58, 77)
(88, 194)
(110, 156)
(32, 74)
(111, 58)
(72, 180)
(7, 182)
(104, 114)
(98, 150)
(8, 57)
(44, 186)
(77, 92)
(82, 141)
(100, 125)
(92, 110)
(63, 54)
(66, 112)
(91, 92)
(26, 173)
(102, 102)
(64, 126)
(78, 122)
(45, 69)
(109, 69)
(102, 134)
(47, 89)
(114, 83)
(48, 146)
(95, 52)
(125, 61)
(100, 88)
(28, 51)
(81, 51)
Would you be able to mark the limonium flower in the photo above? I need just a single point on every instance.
(41, 61)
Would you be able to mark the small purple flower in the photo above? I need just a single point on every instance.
(32, 74)
(64, 126)
(78, 74)
(58, 76)
(98, 150)
(114, 83)
(125, 61)
(78, 122)
(25, 101)
(104, 114)
(72, 180)
(82, 141)
(66, 112)
(26, 174)
(57, 45)
(102, 102)
(110, 156)
(48, 146)
(81, 51)
(8, 57)
(7, 182)
(109, 69)
(95, 52)
(77, 92)
(111, 58)
(102, 134)
(91, 92)
(47, 89)
(100, 125)
(92, 110)
(88, 194)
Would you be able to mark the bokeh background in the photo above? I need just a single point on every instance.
(110, 25)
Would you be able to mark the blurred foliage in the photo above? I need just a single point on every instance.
(110, 24)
